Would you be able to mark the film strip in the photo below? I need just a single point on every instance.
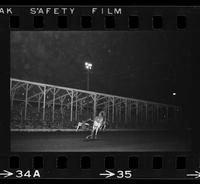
(52, 127)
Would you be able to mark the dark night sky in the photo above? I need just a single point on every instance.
(147, 65)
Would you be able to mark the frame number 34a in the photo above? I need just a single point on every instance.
(28, 174)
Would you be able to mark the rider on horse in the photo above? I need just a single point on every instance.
(99, 123)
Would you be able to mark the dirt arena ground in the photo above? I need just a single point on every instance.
(118, 141)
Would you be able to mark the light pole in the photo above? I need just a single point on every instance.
(174, 98)
(88, 67)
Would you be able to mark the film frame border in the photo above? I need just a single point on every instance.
(147, 16)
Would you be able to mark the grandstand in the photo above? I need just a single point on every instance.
(42, 106)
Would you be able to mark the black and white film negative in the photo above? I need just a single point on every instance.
(99, 92)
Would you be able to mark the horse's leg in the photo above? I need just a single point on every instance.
(104, 127)
(94, 135)
(77, 127)
(100, 128)
(91, 135)
(96, 131)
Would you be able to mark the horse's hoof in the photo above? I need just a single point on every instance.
(88, 137)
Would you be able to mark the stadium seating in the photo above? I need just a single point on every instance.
(34, 120)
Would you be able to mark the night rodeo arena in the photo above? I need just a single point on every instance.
(96, 92)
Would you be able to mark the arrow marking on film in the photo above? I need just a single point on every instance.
(197, 174)
(108, 174)
(6, 174)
